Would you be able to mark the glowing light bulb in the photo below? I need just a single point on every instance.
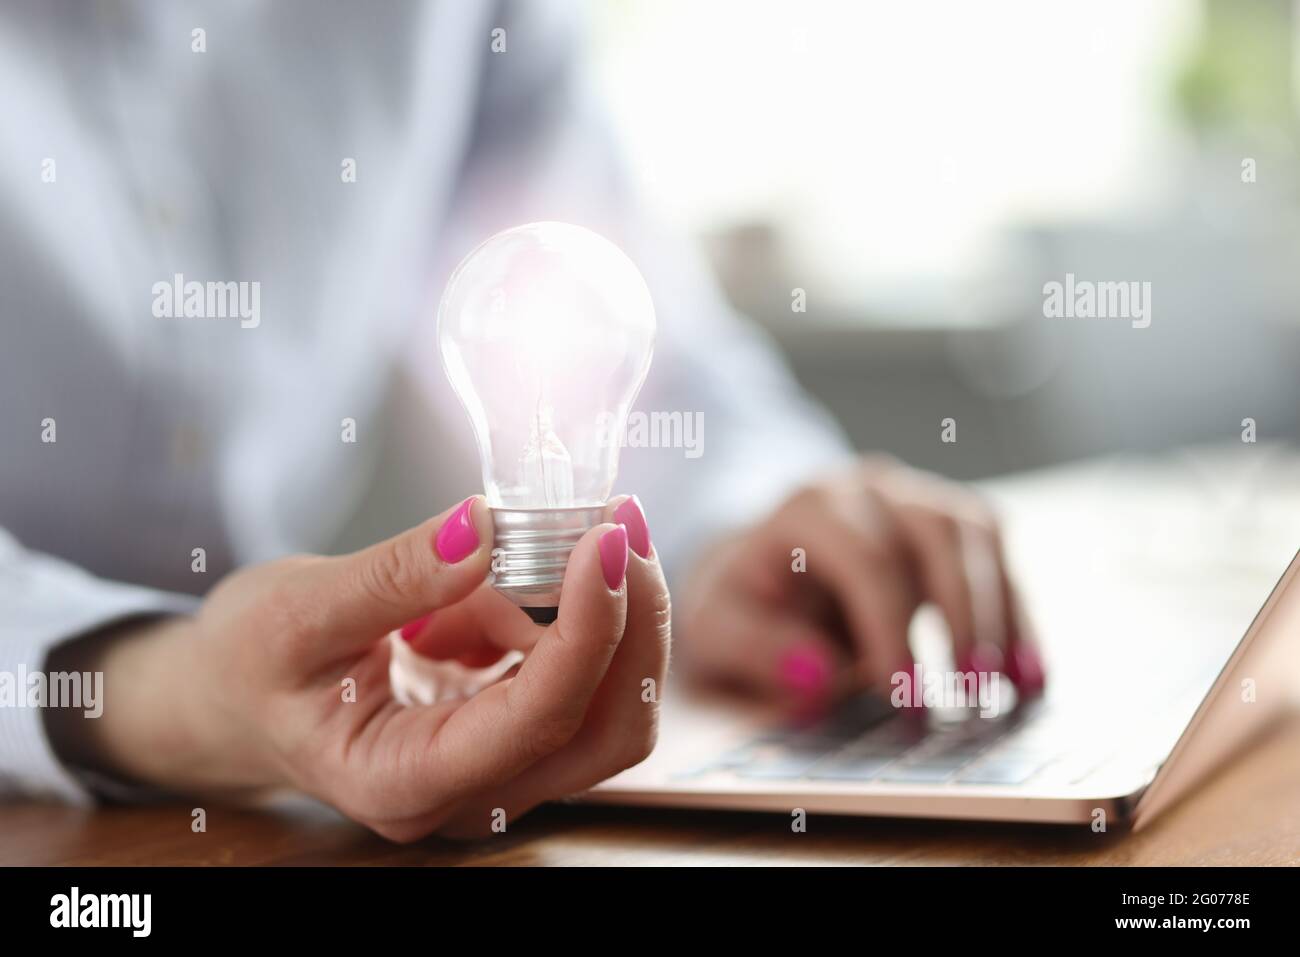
(546, 332)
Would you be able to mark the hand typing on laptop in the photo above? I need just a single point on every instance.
(815, 601)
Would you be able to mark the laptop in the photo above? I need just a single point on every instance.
(1168, 607)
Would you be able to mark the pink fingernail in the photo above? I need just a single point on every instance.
(632, 516)
(983, 660)
(413, 628)
(1025, 668)
(457, 539)
(613, 556)
(806, 670)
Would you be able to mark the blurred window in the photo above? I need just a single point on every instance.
(883, 147)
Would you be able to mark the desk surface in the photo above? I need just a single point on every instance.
(1248, 813)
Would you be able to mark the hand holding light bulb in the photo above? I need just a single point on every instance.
(281, 680)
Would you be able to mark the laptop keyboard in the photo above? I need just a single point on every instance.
(868, 740)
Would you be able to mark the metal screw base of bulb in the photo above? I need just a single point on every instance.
(531, 550)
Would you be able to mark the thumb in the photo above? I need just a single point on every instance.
(438, 563)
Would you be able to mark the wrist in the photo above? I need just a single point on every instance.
(158, 727)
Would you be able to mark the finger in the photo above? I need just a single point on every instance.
(621, 723)
(635, 680)
(877, 603)
(1024, 662)
(771, 653)
(864, 569)
(935, 539)
(476, 632)
(626, 510)
(453, 634)
(512, 724)
(980, 563)
(356, 599)
(956, 545)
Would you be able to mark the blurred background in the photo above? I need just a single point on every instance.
(921, 169)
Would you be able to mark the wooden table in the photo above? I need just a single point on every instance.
(1248, 813)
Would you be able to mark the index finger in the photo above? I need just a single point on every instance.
(864, 576)
(509, 726)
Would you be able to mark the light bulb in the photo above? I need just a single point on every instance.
(546, 332)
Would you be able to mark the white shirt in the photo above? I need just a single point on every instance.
(128, 157)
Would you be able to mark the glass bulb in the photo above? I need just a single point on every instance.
(546, 332)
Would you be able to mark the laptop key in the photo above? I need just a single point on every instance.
(916, 774)
(1000, 772)
(966, 746)
(788, 766)
(860, 767)
(788, 760)
(764, 749)
(898, 736)
(940, 762)
(856, 716)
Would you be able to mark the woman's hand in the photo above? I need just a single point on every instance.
(282, 679)
(817, 599)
